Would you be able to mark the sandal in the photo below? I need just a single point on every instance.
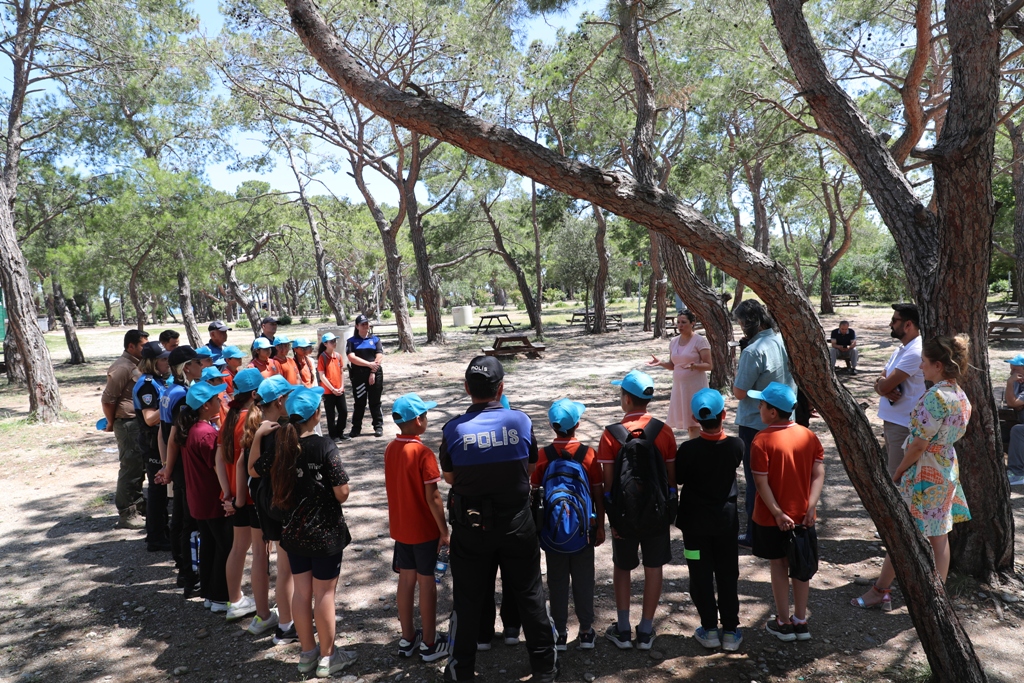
(885, 604)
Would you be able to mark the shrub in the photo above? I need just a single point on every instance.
(324, 319)
(553, 294)
(304, 320)
(284, 319)
(386, 314)
(561, 304)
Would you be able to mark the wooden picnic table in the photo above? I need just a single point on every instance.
(613, 320)
(845, 300)
(670, 324)
(511, 344)
(489, 320)
(1011, 312)
(1007, 328)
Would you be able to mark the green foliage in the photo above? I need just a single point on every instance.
(877, 276)
(552, 295)
(386, 314)
(284, 319)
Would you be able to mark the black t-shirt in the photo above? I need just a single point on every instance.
(706, 474)
(316, 524)
(843, 339)
(268, 448)
(366, 348)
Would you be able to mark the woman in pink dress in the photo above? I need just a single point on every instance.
(690, 361)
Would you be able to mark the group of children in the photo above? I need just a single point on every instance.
(788, 468)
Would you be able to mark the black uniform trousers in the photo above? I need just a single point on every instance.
(474, 554)
(714, 559)
(157, 531)
(509, 609)
(182, 526)
(363, 392)
(336, 410)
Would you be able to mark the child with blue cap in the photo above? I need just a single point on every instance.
(637, 391)
(309, 486)
(198, 440)
(205, 356)
(569, 562)
(1014, 398)
(331, 366)
(262, 358)
(417, 524)
(706, 475)
(788, 464)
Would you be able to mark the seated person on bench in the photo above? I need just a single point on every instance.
(1015, 399)
(844, 346)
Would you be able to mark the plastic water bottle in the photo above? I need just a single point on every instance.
(441, 568)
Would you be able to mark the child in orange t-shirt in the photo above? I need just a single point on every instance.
(788, 464)
(331, 366)
(417, 524)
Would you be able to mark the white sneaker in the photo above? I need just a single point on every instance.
(258, 627)
(243, 608)
(216, 607)
(1016, 480)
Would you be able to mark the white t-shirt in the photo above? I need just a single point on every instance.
(908, 359)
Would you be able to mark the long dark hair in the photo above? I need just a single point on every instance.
(282, 474)
(186, 420)
(230, 420)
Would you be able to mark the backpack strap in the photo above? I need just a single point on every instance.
(581, 453)
(619, 431)
(551, 453)
(651, 432)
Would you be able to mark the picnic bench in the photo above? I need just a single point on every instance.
(845, 300)
(612, 320)
(670, 324)
(489, 320)
(1006, 329)
(1011, 312)
(511, 344)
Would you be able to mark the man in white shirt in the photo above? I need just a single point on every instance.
(901, 383)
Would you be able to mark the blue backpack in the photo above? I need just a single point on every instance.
(568, 506)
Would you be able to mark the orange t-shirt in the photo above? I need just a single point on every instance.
(568, 447)
(268, 369)
(665, 441)
(289, 370)
(229, 379)
(786, 452)
(230, 463)
(307, 373)
(408, 466)
(330, 368)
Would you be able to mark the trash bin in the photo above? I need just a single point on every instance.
(462, 316)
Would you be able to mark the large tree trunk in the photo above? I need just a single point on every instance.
(67, 320)
(600, 325)
(1017, 170)
(424, 275)
(660, 288)
(825, 269)
(188, 315)
(946, 643)
(51, 311)
(539, 328)
(947, 253)
(250, 308)
(13, 360)
(109, 310)
(524, 286)
(43, 395)
(652, 286)
(133, 292)
(706, 306)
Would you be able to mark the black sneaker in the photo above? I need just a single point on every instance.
(644, 641)
(620, 638)
(345, 437)
(561, 644)
(353, 434)
(801, 631)
(432, 653)
(407, 648)
(511, 636)
(281, 636)
(587, 640)
(783, 632)
(378, 432)
(853, 371)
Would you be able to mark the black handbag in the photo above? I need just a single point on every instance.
(802, 553)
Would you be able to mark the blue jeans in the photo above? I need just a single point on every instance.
(747, 435)
(1015, 460)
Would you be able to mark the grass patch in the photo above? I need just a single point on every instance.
(958, 585)
(11, 425)
(100, 501)
(913, 673)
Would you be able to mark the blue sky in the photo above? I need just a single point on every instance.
(542, 28)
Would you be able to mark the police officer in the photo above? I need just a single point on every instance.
(487, 455)
(365, 354)
(146, 400)
(218, 337)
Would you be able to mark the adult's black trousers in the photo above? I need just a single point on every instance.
(365, 392)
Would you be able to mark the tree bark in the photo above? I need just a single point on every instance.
(649, 303)
(51, 311)
(133, 293)
(235, 287)
(600, 325)
(427, 283)
(109, 310)
(1017, 173)
(660, 288)
(706, 306)
(14, 362)
(524, 285)
(539, 328)
(949, 651)
(67, 320)
(188, 315)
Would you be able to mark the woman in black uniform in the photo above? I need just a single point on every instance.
(365, 355)
(146, 398)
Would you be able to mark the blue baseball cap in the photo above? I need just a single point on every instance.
(408, 407)
(565, 414)
(201, 392)
(304, 402)
(1017, 360)
(220, 362)
(301, 343)
(281, 339)
(636, 383)
(248, 380)
(707, 404)
(232, 352)
(777, 396)
(261, 343)
(329, 336)
(504, 402)
(211, 373)
(204, 352)
(273, 388)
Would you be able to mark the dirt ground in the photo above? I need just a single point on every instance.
(81, 601)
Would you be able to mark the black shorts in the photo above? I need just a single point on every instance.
(245, 518)
(271, 527)
(323, 568)
(419, 556)
(770, 542)
(657, 551)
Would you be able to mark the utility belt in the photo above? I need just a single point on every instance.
(483, 514)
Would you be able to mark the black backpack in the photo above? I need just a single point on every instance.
(640, 505)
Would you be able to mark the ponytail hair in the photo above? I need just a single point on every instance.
(282, 474)
(186, 420)
(320, 350)
(253, 420)
(952, 352)
(230, 420)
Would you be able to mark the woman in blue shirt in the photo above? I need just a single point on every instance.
(365, 355)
